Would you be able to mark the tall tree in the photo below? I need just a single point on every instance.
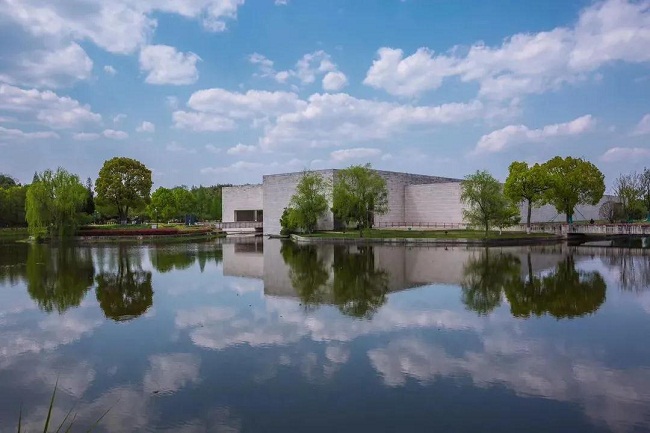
(6, 181)
(487, 206)
(162, 204)
(527, 184)
(572, 181)
(123, 184)
(12, 206)
(53, 204)
(645, 190)
(89, 206)
(359, 194)
(309, 202)
(628, 189)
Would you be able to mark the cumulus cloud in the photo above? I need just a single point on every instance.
(501, 139)
(239, 166)
(45, 107)
(643, 127)
(175, 147)
(119, 26)
(85, 136)
(201, 121)
(355, 153)
(17, 134)
(242, 105)
(146, 127)
(334, 119)
(166, 65)
(119, 118)
(110, 70)
(115, 134)
(242, 149)
(334, 81)
(609, 31)
(625, 154)
(52, 68)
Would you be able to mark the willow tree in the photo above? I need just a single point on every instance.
(526, 184)
(572, 181)
(309, 202)
(486, 204)
(53, 204)
(359, 194)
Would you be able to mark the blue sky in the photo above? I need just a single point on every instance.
(223, 91)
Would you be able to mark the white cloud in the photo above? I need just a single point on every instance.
(625, 154)
(170, 372)
(212, 148)
(110, 70)
(202, 121)
(17, 134)
(175, 147)
(165, 65)
(608, 31)
(334, 81)
(239, 165)
(50, 67)
(355, 153)
(336, 119)
(501, 139)
(281, 2)
(119, 26)
(243, 105)
(146, 127)
(85, 136)
(172, 102)
(119, 118)
(264, 64)
(242, 149)
(45, 107)
(643, 127)
(114, 134)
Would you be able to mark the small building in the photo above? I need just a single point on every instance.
(412, 199)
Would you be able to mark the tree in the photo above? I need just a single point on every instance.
(572, 181)
(162, 204)
(525, 183)
(611, 211)
(309, 202)
(89, 206)
(628, 189)
(53, 204)
(123, 184)
(6, 181)
(645, 191)
(184, 201)
(359, 194)
(12, 206)
(487, 204)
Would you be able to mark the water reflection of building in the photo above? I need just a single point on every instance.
(404, 267)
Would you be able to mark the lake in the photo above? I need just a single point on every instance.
(265, 336)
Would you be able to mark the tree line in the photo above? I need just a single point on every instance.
(357, 194)
(56, 203)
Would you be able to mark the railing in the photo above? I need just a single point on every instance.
(554, 228)
(239, 225)
(428, 225)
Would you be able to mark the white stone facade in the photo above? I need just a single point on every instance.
(242, 197)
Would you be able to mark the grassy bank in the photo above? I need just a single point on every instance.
(13, 233)
(427, 234)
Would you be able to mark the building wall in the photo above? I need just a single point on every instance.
(278, 189)
(434, 203)
(242, 197)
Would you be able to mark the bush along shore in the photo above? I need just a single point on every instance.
(450, 237)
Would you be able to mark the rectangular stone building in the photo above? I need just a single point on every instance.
(412, 199)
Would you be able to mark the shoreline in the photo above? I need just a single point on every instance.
(430, 241)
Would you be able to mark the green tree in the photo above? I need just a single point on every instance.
(7, 181)
(184, 201)
(162, 204)
(629, 190)
(309, 202)
(645, 191)
(89, 206)
(307, 272)
(527, 184)
(53, 204)
(487, 206)
(572, 181)
(12, 205)
(359, 194)
(123, 184)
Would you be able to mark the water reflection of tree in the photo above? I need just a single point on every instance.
(59, 277)
(307, 273)
(359, 287)
(207, 253)
(13, 258)
(124, 291)
(166, 258)
(564, 293)
(485, 276)
(633, 269)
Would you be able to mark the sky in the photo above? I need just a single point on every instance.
(224, 91)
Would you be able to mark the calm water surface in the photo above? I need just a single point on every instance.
(270, 337)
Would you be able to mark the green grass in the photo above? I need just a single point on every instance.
(430, 234)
